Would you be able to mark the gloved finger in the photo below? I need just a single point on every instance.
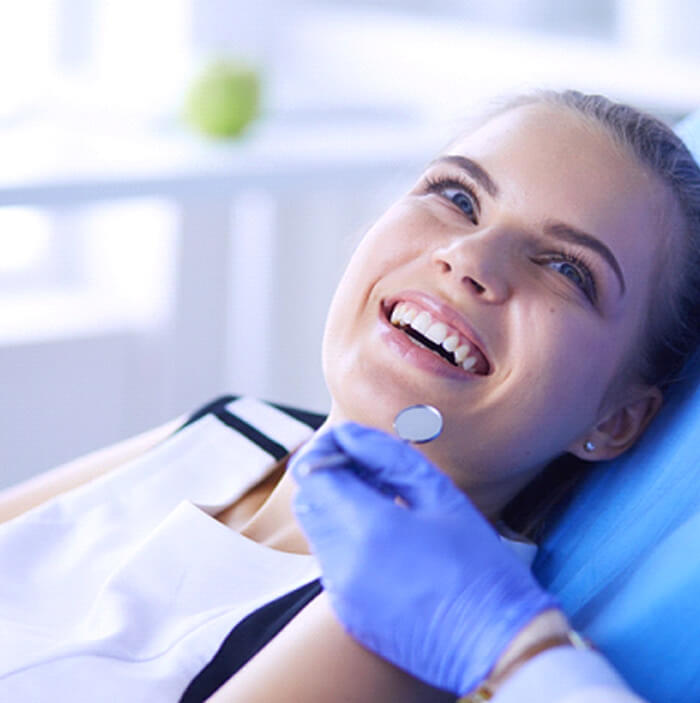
(314, 452)
(338, 502)
(323, 453)
(392, 462)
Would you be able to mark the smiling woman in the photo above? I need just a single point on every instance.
(514, 287)
(533, 239)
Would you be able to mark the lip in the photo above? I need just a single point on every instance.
(443, 312)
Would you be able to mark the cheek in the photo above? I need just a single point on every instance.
(400, 235)
(393, 241)
(559, 376)
(391, 244)
(350, 298)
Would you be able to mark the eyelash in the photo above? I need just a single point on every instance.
(589, 287)
(438, 184)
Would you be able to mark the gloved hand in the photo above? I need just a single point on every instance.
(428, 584)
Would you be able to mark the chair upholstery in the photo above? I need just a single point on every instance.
(624, 558)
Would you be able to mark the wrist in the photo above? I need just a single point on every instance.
(549, 626)
(545, 631)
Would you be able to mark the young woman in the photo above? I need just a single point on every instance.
(538, 285)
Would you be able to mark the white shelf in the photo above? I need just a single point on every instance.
(48, 163)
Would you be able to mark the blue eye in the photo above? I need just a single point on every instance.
(574, 269)
(458, 193)
(572, 273)
(462, 201)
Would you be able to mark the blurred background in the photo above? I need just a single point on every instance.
(146, 267)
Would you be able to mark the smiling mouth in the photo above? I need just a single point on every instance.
(438, 337)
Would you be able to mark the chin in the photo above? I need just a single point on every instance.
(373, 414)
(356, 398)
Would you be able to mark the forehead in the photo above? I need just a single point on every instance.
(551, 164)
(551, 149)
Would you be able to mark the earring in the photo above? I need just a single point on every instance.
(589, 446)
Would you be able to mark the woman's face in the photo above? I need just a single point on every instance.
(533, 239)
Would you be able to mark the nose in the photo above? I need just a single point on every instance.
(480, 264)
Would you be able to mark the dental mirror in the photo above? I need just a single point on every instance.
(418, 423)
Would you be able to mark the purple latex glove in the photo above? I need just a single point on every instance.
(428, 585)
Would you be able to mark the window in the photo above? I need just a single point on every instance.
(84, 269)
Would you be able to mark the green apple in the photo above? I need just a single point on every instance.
(223, 99)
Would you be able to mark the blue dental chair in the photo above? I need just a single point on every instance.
(624, 558)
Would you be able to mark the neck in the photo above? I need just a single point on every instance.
(273, 523)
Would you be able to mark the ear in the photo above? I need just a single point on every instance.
(620, 428)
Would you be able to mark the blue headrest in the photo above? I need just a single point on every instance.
(624, 558)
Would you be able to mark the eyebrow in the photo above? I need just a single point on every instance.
(576, 236)
(558, 230)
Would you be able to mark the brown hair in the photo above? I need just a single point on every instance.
(671, 330)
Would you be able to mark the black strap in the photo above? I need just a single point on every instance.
(217, 405)
(247, 639)
(253, 434)
(313, 420)
(219, 408)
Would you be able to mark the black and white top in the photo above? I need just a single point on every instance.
(129, 589)
(125, 588)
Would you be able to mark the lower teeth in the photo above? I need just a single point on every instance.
(417, 343)
(424, 346)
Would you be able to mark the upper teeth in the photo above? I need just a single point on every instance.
(404, 315)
